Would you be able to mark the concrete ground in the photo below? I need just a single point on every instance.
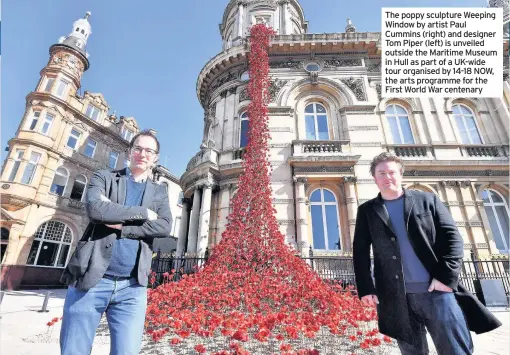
(23, 329)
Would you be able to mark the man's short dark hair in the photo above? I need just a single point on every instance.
(147, 133)
(384, 157)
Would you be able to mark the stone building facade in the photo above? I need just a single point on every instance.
(327, 121)
(62, 139)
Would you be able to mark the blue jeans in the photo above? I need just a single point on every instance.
(123, 300)
(440, 313)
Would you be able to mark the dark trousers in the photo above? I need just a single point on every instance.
(440, 314)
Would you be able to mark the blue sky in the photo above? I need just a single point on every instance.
(145, 57)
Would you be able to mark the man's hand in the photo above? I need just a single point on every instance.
(370, 300)
(114, 226)
(151, 216)
(438, 286)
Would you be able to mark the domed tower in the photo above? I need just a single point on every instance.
(284, 16)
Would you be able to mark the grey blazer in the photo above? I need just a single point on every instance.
(94, 251)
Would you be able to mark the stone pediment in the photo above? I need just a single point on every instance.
(97, 99)
(129, 122)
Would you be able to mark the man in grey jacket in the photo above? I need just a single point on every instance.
(109, 270)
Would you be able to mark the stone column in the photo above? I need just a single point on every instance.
(240, 22)
(205, 216)
(444, 120)
(181, 242)
(352, 203)
(223, 209)
(430, 121)
(301, 214)
(452, 192)
(193, 226)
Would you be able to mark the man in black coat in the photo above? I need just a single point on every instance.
(417, 253)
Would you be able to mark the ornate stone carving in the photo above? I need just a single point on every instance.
(378, 88)
(350, 179)
(243, 95)
(223, 80)
(5, 186)
(301, 180)
(356, 86)
(363, 128)
(323, 169)
(469, 173)
(334, 63)
(289, 64)
(374, 67)
(274, 88)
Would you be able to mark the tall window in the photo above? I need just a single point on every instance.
(112, 163)
(127, 134)
(17, 161)
(72, 141)
(92, 112)
(90, 148)
(31, 124)
(316, 122)
(399, 125)
(48, 120)
(325, 227)
(466, 124)
(497, 213)
(49, 84)
(181, 198)
(29, 172)
(243, 139)
(61, 89)
(59, 181)
(51, 245)
(78, 188)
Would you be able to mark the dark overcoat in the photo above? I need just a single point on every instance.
(437, 243)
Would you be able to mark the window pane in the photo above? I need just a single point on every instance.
(328, 196)
(59, 182)
(503, 222)
(28, 174)
(309, 108)
(113, 160)
(462, 130)
(49, 84)
(47, 123)
(406, 130)
(392, 121)
(90, 148)
(322, 125)
(33, 124)
(310, 127)
(473, 131)
(495, 196)
(14, 171)
(77, 191)
(465, 110)
(244, 133)
(496, 233)
(62, 258)
(33, 252)
(61, 88)
(47, 254)
(399, 110)
(332, 222)
(320, 108)
(82, 179)
(456, 109)
(317, 228)
(316, 196)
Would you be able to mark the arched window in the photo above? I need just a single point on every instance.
(398, 120)
(51, 245)
(316, 122)
(243, 139)
(325, 226)
(78, 188)
(466, 124)
(59, 181)
(497, 213)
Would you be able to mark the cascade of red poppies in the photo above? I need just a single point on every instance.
(254, 288)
